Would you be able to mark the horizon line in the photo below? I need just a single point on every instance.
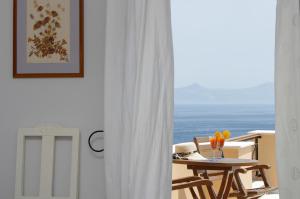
(200, 85)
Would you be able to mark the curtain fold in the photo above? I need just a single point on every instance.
(287, 78)
(138, 99)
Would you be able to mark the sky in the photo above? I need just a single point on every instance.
(223, 43)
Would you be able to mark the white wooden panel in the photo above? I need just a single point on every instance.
(48, 135)
(74, 166)
(54, 131)
(46, 177)
(20, 166)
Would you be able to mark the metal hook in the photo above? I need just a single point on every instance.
(89, 141)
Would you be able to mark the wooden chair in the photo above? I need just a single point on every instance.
(198, 140)
(194, 181)
(239, 190)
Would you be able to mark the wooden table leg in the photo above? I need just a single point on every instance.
(228, 186)
(209, 189)
(200, 189)
(223, 185)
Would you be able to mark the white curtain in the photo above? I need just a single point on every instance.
(288, 97)
(138, 99)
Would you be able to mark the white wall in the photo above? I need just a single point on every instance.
(69, 102)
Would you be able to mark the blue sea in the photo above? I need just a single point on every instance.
(204, 120)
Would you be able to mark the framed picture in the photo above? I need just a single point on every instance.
(48, 38)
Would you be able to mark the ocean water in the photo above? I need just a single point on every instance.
(204, 120)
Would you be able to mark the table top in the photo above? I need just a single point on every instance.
(220, 162)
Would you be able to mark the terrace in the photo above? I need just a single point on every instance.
(259, 145)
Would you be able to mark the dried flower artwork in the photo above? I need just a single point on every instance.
(47, 36)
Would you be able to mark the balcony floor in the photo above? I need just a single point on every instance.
(271, 196)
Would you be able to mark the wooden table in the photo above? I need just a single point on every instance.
(227, 165)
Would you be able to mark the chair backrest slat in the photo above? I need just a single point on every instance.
(198, 140)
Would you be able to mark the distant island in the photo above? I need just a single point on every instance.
(196, 94)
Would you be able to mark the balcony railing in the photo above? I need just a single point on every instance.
(249, 137)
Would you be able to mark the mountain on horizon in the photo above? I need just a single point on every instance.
(196, 94)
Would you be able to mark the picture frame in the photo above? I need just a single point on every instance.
(48, 38)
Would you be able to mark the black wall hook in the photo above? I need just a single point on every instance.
(90, 145)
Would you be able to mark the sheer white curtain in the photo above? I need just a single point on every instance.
(288, 97)
(138, 99)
